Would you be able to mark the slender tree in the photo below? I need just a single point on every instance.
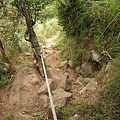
(30, 9)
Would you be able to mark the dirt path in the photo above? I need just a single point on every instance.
(26, 98)
(20, 99)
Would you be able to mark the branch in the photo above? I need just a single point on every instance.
(107, 54)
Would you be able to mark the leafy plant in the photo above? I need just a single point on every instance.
(9, 117)
(3, 81)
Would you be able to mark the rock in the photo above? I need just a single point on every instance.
(70, 63)
(20, 116)
(54, 73)
(60, 103)
(75, 117)
(68, 85)
(27, 53)
(63, 79)
(89, 79)
(63, 63)
(52, 84)
(87, 68)
(72, 74)
(43, 46)
(58, 90)
(95, 55)
(75, 91)
(60, 98)
(78, 69)
(78, 83)
(108, 66)
(65, 82)
(52, 58)
(44, 101)
(91, 86)
(76, 87)
(61, 95)
(80, 78)
(26, 82)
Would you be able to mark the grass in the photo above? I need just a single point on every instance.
(107, 105)
(3, 81)
(101, 34)
(70, 49)
(9, 117)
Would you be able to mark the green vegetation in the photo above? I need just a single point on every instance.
(3, 81)
(90, 25)
(9, 117)
(70, 48)
(87, 25)
(107, 105)
(46, 29)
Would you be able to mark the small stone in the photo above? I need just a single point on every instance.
(89, 79)
(65, 77)
(70, 63)
(78, 69)
(108, 66)
(52, 84)
(72, 74)
(68, 85)
(95, 55)
(75, 117)
(63, 63)
(91, 86)
(78, 83)
(80, 78)
(43, 101)
(27, 53)
(87, 68)
(20, 116)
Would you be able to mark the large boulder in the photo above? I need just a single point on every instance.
(24, 90)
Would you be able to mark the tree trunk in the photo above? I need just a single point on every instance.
(32, 36)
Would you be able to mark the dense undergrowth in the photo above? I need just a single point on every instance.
(89, 25)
